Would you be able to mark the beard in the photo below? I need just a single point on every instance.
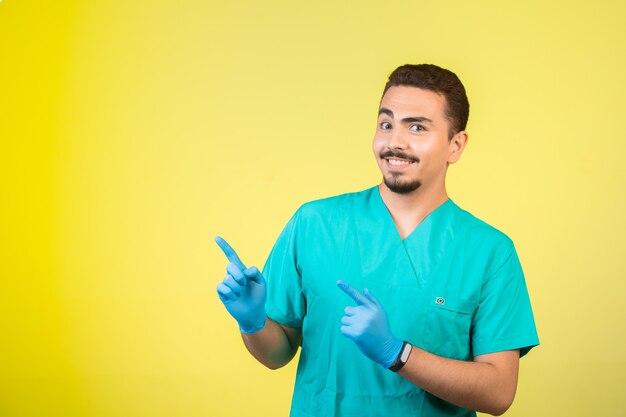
(396, 185)
(394, 180)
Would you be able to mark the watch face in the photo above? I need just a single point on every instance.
(404, 356)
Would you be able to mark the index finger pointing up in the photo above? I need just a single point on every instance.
(359, 298)
(229, 252)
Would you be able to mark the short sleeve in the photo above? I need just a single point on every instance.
(285, 301)
(504, 318)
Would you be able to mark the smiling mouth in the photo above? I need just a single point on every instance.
(398, 162)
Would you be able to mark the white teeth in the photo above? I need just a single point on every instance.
(398, 162)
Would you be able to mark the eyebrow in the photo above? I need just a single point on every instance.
(420, 119)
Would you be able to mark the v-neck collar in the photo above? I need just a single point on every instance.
(426, 245)
(426, 223)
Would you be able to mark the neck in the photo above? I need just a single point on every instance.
(420, 201)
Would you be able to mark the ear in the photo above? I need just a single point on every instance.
(456, 146)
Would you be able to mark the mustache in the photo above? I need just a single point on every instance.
(396, 154)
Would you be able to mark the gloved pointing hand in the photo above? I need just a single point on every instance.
(243, 291)
(367, 326)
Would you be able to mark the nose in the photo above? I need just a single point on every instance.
(397, 140)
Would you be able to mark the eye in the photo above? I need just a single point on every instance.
(385, 125)
(417, 128)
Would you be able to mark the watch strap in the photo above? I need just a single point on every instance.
(402, 358)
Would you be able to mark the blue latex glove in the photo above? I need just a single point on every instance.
(367, 325)
(243, 291)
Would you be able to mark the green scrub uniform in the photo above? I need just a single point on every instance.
(453, 287)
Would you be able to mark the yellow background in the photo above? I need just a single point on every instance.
(134, 131)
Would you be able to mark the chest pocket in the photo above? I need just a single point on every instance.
(448, 326)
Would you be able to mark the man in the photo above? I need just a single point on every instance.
(443, 316)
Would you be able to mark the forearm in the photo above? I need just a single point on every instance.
(271, 345)
(480, 386)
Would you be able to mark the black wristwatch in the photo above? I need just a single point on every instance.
(402, 358)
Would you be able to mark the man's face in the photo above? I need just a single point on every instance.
(411, 143)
